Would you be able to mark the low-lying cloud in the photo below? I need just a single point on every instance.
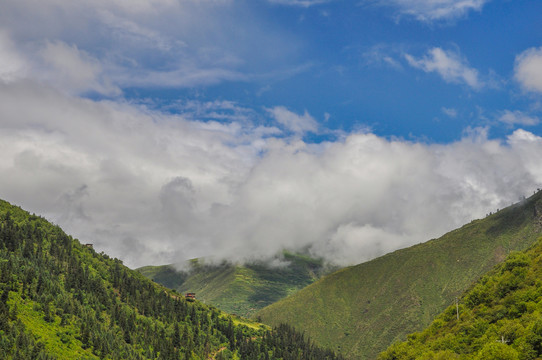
(214, 178)
(150, 187)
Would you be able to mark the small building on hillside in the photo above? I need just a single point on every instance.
(90, 246)
(190, 296)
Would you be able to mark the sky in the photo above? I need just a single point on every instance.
(163, 130)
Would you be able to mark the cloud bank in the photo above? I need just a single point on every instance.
(151, 187)
(213, 178)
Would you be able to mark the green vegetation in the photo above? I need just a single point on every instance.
(62, 300)
(361, 310)
(241, 289)
(499, 318)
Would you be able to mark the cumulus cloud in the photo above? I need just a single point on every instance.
(449, 65)
(128, 160)
(431, 10)
(151, 187)
(518, 118)
(151, 183)
(528, 69)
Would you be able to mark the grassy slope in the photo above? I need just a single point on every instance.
(361, 310)
(240, 290)
(499, 318)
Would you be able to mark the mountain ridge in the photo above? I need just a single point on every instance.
(361, 310)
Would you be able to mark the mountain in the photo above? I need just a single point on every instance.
(361, 310)
(241, 289)
(498, 318)
(60, 299)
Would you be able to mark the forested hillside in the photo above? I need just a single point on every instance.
(241, 289)
(363, 309)
(62, 300)
(499, 318)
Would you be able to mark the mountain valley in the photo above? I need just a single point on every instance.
(241, 289)
(59, 299)
(62, 300)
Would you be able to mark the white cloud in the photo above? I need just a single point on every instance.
(449, 65)
(518, 118)
(124, 157)
(528, 69)
(344, 243)
(431, 10)
(293, 122)
(156, 188)
(152, 187)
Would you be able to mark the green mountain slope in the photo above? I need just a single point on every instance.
(362, 309)
(62, 300)
(241, 289)
(499, 318)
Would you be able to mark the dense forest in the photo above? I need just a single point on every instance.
(500, 318)
(60, 299)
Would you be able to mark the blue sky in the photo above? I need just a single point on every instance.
(162, 130)
(349, 60)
